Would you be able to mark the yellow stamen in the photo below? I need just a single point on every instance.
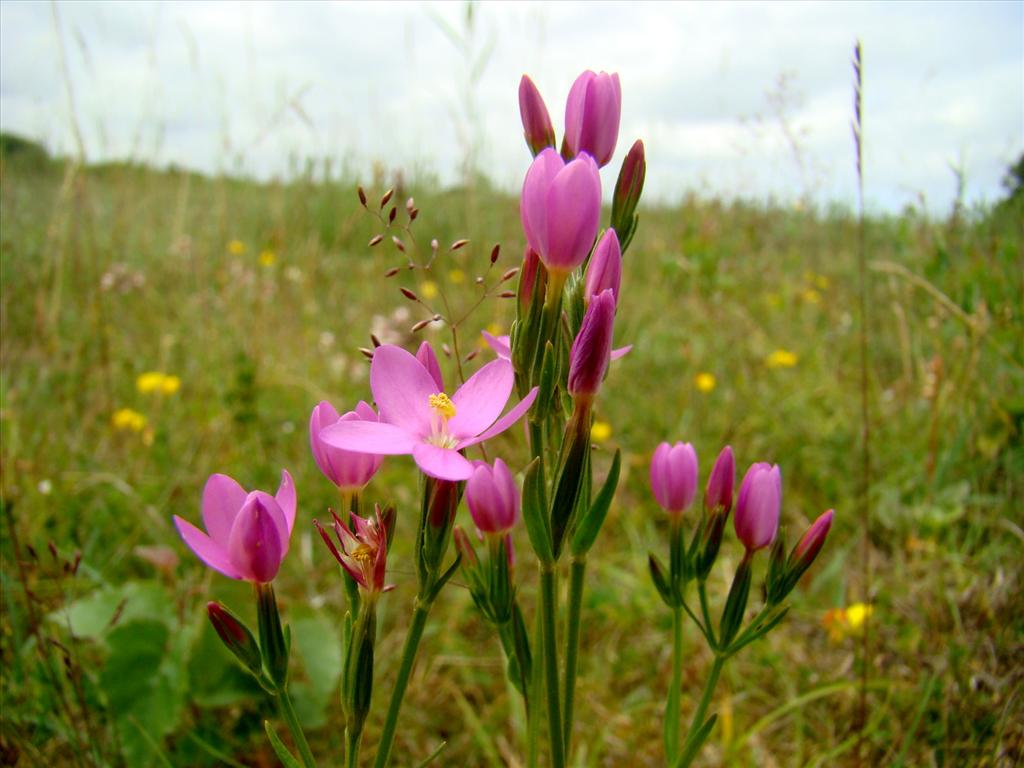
(364, 553)
(441, 403)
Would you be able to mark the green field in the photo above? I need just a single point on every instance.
(109, 272)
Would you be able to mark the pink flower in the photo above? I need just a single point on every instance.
(560, 209)
(591, 351)
(758, 505)
(537, 126)
(605, 267)
(247, 534)
(674, 476)
(812, 541)
(349, 471)
(718, 492)
(428, 358)
(419, 419)
(362, 554)
(592, 115)
(493, 497)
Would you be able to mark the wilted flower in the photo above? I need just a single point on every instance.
(247, 534)
(362, 554)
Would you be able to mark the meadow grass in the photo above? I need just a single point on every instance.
(744, 325)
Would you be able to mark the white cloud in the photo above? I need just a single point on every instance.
(233, 86)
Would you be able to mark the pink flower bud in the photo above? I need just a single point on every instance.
(605, 268)
(757, 507)
(812, 541)
(718, 492)
(628, 187)
(592, 115)
(492, 497)
(235, 636)
(246, 534)
(527, 278)
(348, 470)
(674, 476)
(254, 544)
(537, 127)
(560, 209)
(591, 351)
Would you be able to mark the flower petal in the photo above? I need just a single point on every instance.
(276, 515)
(621, 352)
(402, 388)
(504, 422)
(369, 437)
(501, 345)
(205, 548)
(255, 546)
(222, 498)
(481, 399)
(425, 354)
(533, 207)
(442, 463)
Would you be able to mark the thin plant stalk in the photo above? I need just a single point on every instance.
(675, 684)
(536, 688)
(292, 720)
(409, 650)
(577, 572)
(547, 600)
(702, 707)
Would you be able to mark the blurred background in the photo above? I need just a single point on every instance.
(185, 274)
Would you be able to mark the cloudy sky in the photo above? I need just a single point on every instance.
(731, 99)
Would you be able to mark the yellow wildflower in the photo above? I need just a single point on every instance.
(428, 289)
(494, 329)
(811, 296)
(601, 431)
(125, 419)
(149, 382)
(781, 358)
(154, 381)
(267, 257)
(822, 282)
(457, 276)
(846, 622)
(236, 247)
(705, 381)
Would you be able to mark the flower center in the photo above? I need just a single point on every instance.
(443, 404)
(363, 554)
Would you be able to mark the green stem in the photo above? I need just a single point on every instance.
(572, 645)
(536, 687)
(707, 614)
(705, 701)
(547, 599)
(675, 684)
(288, 712)
(352, 740)
(412, 644)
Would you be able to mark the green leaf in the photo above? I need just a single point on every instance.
(590, 525)
(280, 749)
(91, 616)
(317, 648)
(535, 511)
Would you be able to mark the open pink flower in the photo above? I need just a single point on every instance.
(247, 534)
(418, 419)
